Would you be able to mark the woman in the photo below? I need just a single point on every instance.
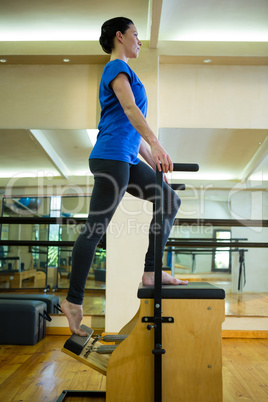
(123, 133)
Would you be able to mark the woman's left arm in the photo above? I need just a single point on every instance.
(148, 157)
(146, 154)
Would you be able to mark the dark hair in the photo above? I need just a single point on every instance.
(109, 29)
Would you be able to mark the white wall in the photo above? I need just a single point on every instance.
(49, 96)
(127, 242)
(213, 96)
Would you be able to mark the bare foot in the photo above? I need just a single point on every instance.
(148, 279)
(74, 314)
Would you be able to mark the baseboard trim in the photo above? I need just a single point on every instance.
(247, 334)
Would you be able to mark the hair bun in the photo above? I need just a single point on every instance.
(106, 46)
(109, 29)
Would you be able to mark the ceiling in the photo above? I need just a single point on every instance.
(22, 152)
(180, 20)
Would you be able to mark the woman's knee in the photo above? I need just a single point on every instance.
(175, 205)
(177, 202)
(172, 202)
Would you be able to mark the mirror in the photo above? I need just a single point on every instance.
(230, 185)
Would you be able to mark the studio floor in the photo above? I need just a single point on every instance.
(41, 372)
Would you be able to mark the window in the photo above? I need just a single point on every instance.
(54, 231)
(221, 261)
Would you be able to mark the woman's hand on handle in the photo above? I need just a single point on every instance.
(161, 158)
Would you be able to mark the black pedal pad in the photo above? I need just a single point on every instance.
(76, 343)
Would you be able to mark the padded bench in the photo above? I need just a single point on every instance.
(52, 301)
(194, 290)
(22, 322)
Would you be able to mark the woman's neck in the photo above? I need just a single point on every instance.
(116, 54)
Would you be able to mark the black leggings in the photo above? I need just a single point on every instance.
(111, 180)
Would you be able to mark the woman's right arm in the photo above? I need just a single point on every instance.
(124, 94)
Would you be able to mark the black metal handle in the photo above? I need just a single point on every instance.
(57, 307)
(185, 167)
(45, 316)
(178, 186)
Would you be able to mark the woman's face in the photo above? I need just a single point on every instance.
(131, 42)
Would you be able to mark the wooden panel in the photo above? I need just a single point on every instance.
(193, 350)
(128, 328)
(131, 367)
(192, 361)
(94, 360)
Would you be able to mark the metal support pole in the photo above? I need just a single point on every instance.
(158, 212)
(158, 351)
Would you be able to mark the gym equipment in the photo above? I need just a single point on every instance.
(191, 370)
(29, 202)
(80, 348)
(79, 345)
(52, 301)
(22, 322)
(182, 324)
(110, 338)
(24, 206)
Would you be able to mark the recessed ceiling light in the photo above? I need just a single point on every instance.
(207, 61)
(66, 60)
(3, 60)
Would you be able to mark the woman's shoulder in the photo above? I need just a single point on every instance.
(115, 67)
(118, 65)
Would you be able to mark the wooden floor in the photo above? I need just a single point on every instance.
(90, 283)
(41, 372)
(246, 304)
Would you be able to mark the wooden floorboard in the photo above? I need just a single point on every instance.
(41, 372)
(245, 370)
(246, 304)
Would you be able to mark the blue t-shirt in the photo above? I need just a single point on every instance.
(117, 138)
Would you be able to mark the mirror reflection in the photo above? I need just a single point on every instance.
(42, 266)
(209, 195)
